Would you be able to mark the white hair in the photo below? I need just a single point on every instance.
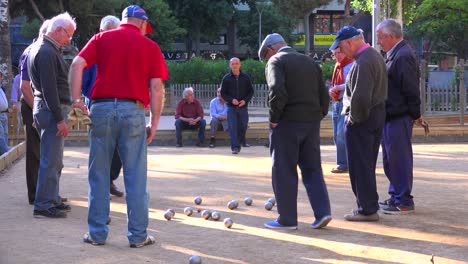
(43, 28)
(390, 27)
(61, 20)
(109, 22)
(186, 91)
(360, 35)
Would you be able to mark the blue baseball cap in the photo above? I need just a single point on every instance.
(345, 32)
(137, 12)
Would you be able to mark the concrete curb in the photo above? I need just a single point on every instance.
(12, 155)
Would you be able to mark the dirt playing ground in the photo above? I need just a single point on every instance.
(175, 176)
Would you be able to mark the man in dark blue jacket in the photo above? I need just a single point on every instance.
(402, 110)
(237, 91)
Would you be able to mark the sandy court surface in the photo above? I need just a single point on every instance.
(175, 176)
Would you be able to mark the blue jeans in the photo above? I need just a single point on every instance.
(118, 125)
(238, 119)
(51, 156)
(3, 133)
(293, 144)
(339, 135)
(181, 125)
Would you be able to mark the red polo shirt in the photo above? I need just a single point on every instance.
(126, 62)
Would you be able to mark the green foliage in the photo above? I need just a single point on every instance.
(272, 21)
(199, 71)
(327, 69)
(31, 28)
(363, 5)
(443, 22)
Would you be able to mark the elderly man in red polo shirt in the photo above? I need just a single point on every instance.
(189, 115)
(127, 63)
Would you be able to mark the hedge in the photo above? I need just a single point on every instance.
(200, 71)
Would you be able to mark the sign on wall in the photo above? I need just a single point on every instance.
(324, 40)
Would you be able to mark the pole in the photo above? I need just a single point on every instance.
(375, 21)
(259, 28)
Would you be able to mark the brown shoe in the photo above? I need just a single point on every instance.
(64, 199)
(358, 217)
(338, 170)
(115, 191)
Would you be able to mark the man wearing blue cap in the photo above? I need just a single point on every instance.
(364, 107)
(127, 63)
(298, 101)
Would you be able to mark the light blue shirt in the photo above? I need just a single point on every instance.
(217, 109)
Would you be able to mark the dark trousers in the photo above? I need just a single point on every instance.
(116, 165)
(397, 154)
(33, 150)
(362, 144)
(293, 144)
(181, 125)
(238, 120)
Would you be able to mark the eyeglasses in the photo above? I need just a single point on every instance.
(66, 32)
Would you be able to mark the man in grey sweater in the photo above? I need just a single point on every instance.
(48, 72)
(298, 101)
(364, 106)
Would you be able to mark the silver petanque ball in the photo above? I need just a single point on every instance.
(172, 212)
(215, 215)
(195, 259)
(228, 222)
(268, 206)
(231, 205)
(248, 201)
(206, 214)
(272, 201)
(168, 215)
(197, 200)
(188, 211)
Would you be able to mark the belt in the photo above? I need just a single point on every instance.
(6, 111)
(116, 100)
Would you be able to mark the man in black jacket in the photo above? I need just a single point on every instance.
(402, 110)
(298, 101)
(237, 91)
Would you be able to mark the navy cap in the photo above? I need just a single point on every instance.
(344, 33)
(137, 12)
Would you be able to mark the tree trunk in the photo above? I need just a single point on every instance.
(36, 10)
(307, 34)
(5, 47)
(347, 11)
(60, 3)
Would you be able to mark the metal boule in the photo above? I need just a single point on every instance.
(195, 259)
(172, 211)
(228, 222)
(248, 201)
(168, 215)
(206, 214)
(215, 215)
(272, 201)
(268, 206)
(188, 211)
(197, 200)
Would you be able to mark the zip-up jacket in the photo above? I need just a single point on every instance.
(236, 87)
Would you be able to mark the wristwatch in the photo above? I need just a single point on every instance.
(76, 100)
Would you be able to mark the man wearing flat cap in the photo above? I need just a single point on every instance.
(364, 107)
(298, 101)
(127, 63)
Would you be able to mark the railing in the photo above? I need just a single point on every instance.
(205, 92)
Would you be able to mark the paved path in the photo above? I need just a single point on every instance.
(439, 227)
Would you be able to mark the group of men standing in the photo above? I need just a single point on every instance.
(380, 102)
(376, 101)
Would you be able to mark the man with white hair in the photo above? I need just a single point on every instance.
(48, 72)
(89, 77)
(402, 111)
(33, 140)
(189, 115)
(364, 107)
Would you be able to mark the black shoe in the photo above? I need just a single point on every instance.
(63, 207)
(115, 191)
(212, 142)
(199, 144)
(51, 212)
(236, 151)
(388, 202)
(108, 221)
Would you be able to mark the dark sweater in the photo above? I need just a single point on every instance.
(296, 88)
(48, 73)
(236, 87)
(366, 85)
(403, 83)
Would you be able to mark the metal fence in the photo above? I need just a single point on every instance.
(443, 93)
(205, 92)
